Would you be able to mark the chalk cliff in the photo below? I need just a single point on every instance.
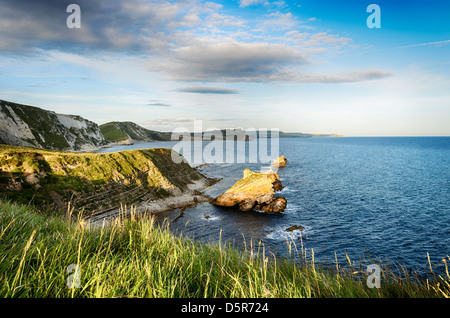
(29, 126)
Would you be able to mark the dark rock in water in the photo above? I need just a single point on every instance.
(295, 227)
(247, 205)
(279, 204)
(276, 205)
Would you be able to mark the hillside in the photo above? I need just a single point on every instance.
(90, 181)
(29, 126)
(129, 132)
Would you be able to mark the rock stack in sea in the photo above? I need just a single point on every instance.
(255, 191)
(279, 162)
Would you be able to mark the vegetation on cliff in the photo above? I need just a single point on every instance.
(130, 132)
(91, 181)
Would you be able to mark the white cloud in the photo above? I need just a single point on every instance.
(437, 43)
(182, 40)
(323, 39)
(234, 61)
(169, 124)
(227, 61)
(246, 3)
(208, 90)
(342, 77)
(280, 21)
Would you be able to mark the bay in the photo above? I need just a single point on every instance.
(387, 197)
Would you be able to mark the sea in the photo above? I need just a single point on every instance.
(383, 199)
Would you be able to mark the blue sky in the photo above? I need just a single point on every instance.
(300, 66)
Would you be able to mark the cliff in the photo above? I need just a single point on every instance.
(94, 182)
(129, 133)
(29, 126)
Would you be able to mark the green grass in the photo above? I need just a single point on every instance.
(137, 258)
(112, 133)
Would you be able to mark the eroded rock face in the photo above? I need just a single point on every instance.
(255, 191)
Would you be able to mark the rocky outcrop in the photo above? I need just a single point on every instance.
(29, 126)
(255, 191)
(279, 162)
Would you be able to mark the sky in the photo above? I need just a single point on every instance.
(299, 66)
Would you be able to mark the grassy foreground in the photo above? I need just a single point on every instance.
(40, 255)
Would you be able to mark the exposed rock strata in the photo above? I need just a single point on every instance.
(99, 183)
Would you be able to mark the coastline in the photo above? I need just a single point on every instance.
(137, 243)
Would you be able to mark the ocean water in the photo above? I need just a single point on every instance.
(384, 196)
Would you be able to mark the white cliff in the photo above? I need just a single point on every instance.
(23, 125)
